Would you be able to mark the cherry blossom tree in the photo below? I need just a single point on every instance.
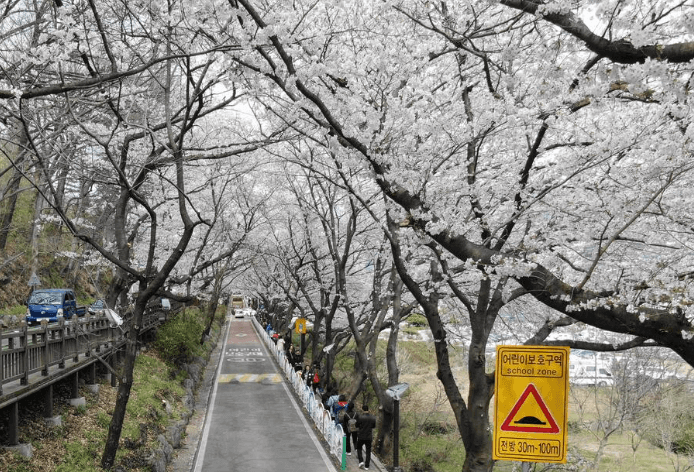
(134, 83)
(541, 159)
(527, 149)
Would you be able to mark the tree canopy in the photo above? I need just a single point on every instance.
(488, 152)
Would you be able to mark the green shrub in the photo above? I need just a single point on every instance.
(178, 340)
(411, 331)
(683, 442)
(417, 319)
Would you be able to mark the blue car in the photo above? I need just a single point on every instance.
(50, 303)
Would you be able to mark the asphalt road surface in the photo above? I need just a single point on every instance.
(253, 423)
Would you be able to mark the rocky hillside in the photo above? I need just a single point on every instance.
(14, 285)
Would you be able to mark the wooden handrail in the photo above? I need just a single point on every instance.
(25, 351)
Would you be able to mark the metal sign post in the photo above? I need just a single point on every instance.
(396, 392)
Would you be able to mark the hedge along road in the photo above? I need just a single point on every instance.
(253, 423)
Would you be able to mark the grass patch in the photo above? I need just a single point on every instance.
(418, 353)
(411, 330)
(153, 384)
(16, 310)
(418, 320)
(79, 458)
(431, 453)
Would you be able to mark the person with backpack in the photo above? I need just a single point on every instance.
(339, 409)
(330, 399)
(365, 425)
(349, 426)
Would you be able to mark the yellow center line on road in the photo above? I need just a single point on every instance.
(248, 378)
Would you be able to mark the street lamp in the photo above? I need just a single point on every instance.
(396, 392)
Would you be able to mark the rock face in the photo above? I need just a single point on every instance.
(162, 455)
(9, 322)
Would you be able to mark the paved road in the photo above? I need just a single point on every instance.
(253, 423)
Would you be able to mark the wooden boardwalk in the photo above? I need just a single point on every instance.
(33, 359)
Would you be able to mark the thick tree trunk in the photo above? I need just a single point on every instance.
(476, 433)
(385, 434)
(124, 387)
(384, 441)
(10, 193)
(122, 281)
(118, 288)
(10, 205)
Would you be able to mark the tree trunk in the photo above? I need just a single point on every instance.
(124, 387)
(211, 311)
(472, 419)
(475, 430)
(598, 454)
(34, 241)
(10, 205)
(74, 264)
(10, 194)
(385, 434)
(121, 281)
(384, 441)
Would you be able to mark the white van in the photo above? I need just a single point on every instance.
(587, 372)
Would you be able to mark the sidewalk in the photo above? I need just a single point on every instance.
(353, 463)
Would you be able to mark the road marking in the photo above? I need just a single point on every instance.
(248, 378)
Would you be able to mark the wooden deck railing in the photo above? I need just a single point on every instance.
(29, 350)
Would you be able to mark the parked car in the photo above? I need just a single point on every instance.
(97, 308)
(51, 303)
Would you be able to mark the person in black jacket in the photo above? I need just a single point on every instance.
(365, 425)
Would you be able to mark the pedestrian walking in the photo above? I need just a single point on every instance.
(349, 426)
(298, 359)
(339, 408)
(315, 382)
(280, 345)
(366, 422)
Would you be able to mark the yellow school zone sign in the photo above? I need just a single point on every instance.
(531, 403)
(301, 326)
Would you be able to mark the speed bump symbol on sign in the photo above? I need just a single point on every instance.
(531, 403)
(524, 417)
